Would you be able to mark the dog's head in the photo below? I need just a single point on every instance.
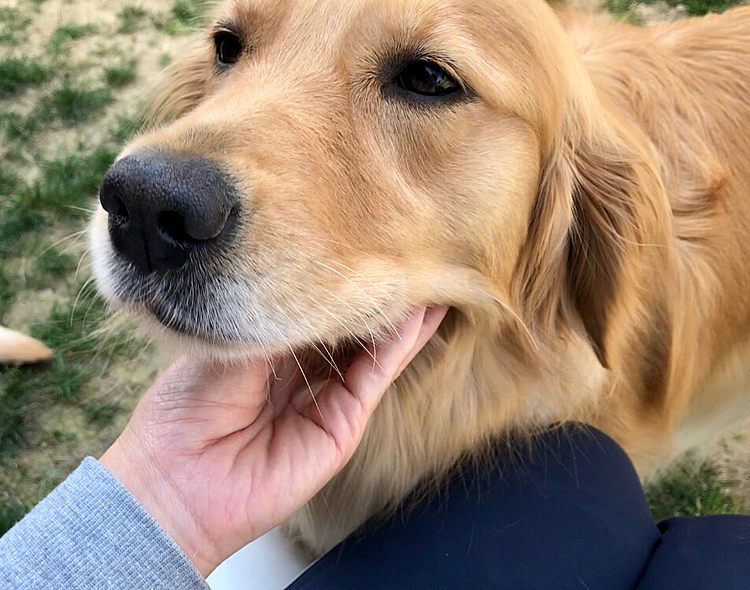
(321, 165)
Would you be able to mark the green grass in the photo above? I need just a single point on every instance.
(62, 36)
(75, 104)
(52, 88)
(12, 412)
(73, 331)
(7, 293)
(11, 512)
(100, 412)
(119, 76)
(63, 191)
(691, 487)
(15, 222)
(9, 181)
(69, 182)
(131, 18)
(700, 7)
(183, 17)
(19, 127)
(619, 6)
(692, 7)
(12, 24)
(64, 435)
(17, 74)
(189, 12)
(127, 127)
(66, 185)
(50, 266)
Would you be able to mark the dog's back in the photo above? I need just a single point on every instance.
(685, 85)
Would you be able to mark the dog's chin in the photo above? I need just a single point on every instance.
(197, 324)
(180, 336)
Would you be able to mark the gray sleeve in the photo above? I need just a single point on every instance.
(89, 533)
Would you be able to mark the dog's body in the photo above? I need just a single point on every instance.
(677, 351)
(584, 207)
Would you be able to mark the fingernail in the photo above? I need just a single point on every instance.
(435, 313)
(414, 319)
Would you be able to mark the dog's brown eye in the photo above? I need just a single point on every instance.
(228, 48)
(428, 79)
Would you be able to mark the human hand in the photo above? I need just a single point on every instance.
(219, 455)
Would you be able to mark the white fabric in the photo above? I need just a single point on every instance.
(269, 563)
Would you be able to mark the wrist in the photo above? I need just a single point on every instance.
(161, 499)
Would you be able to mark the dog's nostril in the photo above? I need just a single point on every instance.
(172, 228)
(114, 205)
(119, 213)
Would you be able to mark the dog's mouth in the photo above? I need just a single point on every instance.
(183, 326)
(226, 313)
(316, 358)
(204, 317)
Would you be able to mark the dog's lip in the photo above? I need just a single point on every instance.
(183, 327)
(170, 321)
(343, 351)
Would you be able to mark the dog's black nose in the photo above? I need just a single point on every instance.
(164, 207)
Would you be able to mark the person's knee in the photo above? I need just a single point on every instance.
(701, 553)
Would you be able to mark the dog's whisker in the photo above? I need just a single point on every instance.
(353, 249)
(266, 354)
(377, 307)
(304, 376)
(75, 236)
(80, 261)
(358, 313)
(497, 299)
(71, 244)
(83, 209)
(343, 325)
(78, 297)
(364, 278)
(91, 305)
(372, 336)
(329, 358)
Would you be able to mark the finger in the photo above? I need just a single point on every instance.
(365, 378)
(433, 317)
(368, 381)
(206, 381)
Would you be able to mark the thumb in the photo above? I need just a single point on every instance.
(367, 380)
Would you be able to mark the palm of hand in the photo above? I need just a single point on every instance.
(246, 461)
(220, 455)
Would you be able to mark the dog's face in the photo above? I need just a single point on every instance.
(329, 163)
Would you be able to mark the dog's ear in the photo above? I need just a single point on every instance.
(184, 83)
(600, 202)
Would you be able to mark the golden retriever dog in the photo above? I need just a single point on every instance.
(17, 348)
(577, 192)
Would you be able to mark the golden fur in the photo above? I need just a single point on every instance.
(586, 213)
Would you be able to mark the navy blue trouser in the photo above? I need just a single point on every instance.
(567, 513)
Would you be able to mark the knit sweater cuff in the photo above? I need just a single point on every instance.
(91, 532)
